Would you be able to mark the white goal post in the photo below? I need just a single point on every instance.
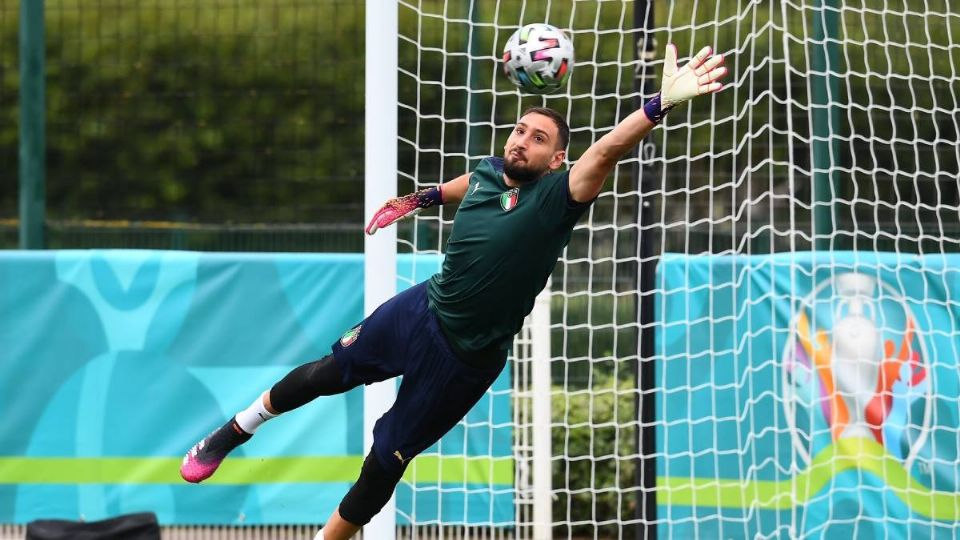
(380, 255)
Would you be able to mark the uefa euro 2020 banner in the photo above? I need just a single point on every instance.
(799, 395)
(113, 363)
(809, 395)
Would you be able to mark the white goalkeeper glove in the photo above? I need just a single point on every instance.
(700, 76)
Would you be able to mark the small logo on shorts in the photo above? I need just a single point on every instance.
(350, 336)
(400, 457)
(508, 199)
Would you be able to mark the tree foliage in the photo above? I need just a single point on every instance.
(249, 112)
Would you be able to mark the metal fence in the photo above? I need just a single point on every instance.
(119, 234)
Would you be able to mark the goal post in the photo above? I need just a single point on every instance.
(380, 255)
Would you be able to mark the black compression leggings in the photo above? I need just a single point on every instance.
(323, 378)
(371, 491)
(306, 383)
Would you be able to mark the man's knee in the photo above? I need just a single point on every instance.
(371, 491)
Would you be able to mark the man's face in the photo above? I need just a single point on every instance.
(532, 149)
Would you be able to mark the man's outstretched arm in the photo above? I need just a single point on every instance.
(401, 208)
(700, 76)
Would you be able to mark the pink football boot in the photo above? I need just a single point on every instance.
(203, 459)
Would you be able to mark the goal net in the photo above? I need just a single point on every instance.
(753, 332)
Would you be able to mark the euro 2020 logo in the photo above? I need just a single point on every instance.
(855, 368)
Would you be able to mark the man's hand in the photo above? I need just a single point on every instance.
(404, 207)
(700, 76)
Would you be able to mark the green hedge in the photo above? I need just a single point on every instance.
(594, 435)
(198, 111)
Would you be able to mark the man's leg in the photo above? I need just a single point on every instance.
(337, 528)
(302, 385)
(367, 497)
(433, 397)
(306, 383)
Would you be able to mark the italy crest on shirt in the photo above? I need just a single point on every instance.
(508, 200)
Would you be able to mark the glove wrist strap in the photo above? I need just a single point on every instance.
(429, 197)
(654, 109)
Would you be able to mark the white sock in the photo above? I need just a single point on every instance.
(319, 535)
(250, 418)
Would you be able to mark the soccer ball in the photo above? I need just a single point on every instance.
(538, 58)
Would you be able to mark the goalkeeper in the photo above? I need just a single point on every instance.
(449, 336)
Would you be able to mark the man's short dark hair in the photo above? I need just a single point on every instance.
(562, 128)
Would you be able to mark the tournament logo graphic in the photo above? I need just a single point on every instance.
(855, 366)
(350, 336)
(508, 200)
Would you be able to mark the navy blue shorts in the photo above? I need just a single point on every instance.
(403, 337)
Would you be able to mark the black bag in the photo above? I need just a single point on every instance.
(142, 526)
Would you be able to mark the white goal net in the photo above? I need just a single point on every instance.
(753, 333)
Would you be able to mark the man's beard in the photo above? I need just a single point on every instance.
(521, 174)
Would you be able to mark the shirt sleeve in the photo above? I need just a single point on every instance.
(556, 202)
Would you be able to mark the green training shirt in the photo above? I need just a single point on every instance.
(504, 245)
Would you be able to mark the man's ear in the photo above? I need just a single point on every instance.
(557, 160)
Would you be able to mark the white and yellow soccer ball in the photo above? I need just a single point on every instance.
(538, 58)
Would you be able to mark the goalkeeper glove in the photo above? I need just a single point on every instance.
(404, 207)
(700, 76)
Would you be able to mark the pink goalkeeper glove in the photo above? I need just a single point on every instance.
(404, 207)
